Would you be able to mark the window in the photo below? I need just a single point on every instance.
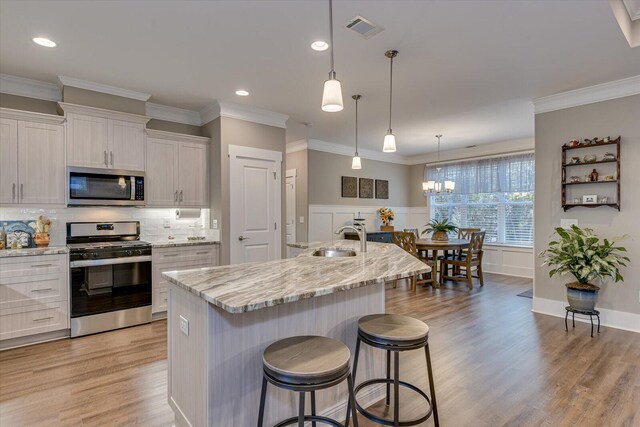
(495, 195)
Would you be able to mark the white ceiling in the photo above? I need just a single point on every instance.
(467, 69)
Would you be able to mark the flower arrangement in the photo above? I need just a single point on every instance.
(386, 215)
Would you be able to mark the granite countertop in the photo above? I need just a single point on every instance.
(252, 286)
(166, 243)
(50, 250)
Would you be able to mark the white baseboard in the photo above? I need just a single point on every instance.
(610, 318)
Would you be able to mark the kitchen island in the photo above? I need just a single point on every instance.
(221, 319)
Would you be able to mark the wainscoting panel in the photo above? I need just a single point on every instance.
(509, 260)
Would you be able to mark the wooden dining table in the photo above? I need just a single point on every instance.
(425, 245)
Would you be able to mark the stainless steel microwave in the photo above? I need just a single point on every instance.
(104, 187)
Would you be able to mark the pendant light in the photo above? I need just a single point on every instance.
(389, 145)
(356, 163)
(332, 93)
(438, 185)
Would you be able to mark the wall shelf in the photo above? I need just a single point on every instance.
(564, 184)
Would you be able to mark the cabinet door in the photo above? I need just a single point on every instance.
(161, 184)
(9, 158)
(41, 170)
(126, 145)
(88, 141)
(193, 174)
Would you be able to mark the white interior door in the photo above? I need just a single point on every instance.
(290, 195)
(255, 210)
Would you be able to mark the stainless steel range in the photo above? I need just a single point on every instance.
(110, 276)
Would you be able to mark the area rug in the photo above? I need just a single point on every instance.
(526, 294)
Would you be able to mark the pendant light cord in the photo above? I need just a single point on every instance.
(331, 33)
(390, 90)
(356, 127)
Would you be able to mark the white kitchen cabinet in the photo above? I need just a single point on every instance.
(33, 158)
(177, 258)
(178, 170)
(105, 139)
(34, 295)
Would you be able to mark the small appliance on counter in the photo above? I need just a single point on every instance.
(110, 276)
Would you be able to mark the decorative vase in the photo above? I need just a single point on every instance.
(594, 175)
(41, 239)
(582, 297)
(440, 236)
(386, 228)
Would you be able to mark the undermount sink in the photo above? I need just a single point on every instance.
(334, 253)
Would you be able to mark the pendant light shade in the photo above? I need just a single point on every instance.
(332, 93)
(389, 145)
(356, 163)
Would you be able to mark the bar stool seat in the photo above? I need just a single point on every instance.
(305, 364)
(304, 359)
(393, 328)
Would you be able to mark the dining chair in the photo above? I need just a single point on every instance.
(407, 241)
(415, 231)
(472, 259)
(465, 233)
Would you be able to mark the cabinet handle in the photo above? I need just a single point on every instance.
(41, 265)
(111, 157)
(43, 318)
(22, 191)
(42, 290)
(175, 196)
(106, 163)
(13, 192)
(202, 253)
(181, 195)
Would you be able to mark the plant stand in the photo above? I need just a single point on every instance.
(583, 312)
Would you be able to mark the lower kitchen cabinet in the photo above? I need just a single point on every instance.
(177, 258)
(34, 295)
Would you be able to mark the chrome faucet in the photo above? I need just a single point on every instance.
(361, 230)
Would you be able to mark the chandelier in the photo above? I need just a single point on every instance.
(440, 184)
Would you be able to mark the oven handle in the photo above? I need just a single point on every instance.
(110, 261)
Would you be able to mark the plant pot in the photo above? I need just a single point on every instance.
(386, 228)
(582, 296)
(440, 236)
(41, 240)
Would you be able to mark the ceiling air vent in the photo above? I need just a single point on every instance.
(364, 27)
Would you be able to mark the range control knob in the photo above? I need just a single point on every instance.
(129, 253)
(94, 254)
(85, 256)
(138, 252)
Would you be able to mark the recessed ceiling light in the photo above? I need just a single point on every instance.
(320, 45)
(44, 42)
(242, 93)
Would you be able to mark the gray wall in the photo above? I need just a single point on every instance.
(90, 98)
(299, 162)
(28, 104)
(226, 131)
(174, 127)
(326, 170)
(614, 117)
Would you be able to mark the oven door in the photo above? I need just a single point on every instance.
(87, 186)
(102, 286)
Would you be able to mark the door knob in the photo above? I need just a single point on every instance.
(243, 238)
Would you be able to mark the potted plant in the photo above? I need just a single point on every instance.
(386, 216)
(440, 229)
(579, 252)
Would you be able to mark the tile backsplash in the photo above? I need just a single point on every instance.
(154, 223)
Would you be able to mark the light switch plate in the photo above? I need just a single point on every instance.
(184, 325)
(166, 222)
(301, 220)
(568, 222)
(214, 224)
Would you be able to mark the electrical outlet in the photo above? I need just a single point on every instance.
(184, 325)
(214, 224)
(166, 222)
(301, 220)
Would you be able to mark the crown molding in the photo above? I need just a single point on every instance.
(295, 146)
(633, 7)
(52, 119)
(234, 111)
(210, 113)
(173, 136)
(101, 112)
(173, 114)
(588, 95)
(20, 86)
(345, 150)
(102, 88)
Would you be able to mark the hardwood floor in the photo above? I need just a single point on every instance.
(495, 364)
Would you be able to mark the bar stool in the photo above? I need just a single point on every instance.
(306, 364)
(395, 333)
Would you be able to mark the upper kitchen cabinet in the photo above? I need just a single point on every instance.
(178, 172)
(99, 138)
(32, 149)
